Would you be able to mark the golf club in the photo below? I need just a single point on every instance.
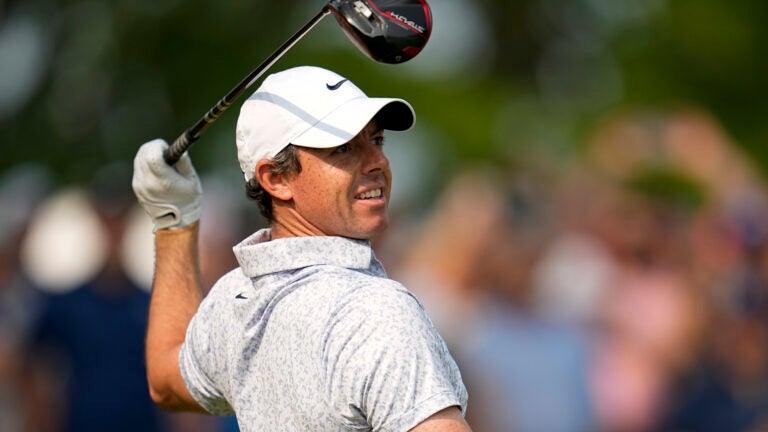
(387, 31)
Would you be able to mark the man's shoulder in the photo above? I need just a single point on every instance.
(379, 302)
(383, 291)
(362, 285)
(229, 281)
(225, 288)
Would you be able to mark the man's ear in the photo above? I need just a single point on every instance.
(274, 184)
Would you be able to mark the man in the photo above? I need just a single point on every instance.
(307, 333)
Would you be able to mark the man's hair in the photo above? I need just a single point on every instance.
(286, 162)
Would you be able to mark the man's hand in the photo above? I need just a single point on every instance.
(169, 194)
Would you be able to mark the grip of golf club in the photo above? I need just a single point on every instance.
(173, 153)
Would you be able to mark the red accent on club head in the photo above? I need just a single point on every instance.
(412, 51)
(427, 14)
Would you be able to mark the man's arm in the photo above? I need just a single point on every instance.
(447, 420)
(171, 197)
(176, 295)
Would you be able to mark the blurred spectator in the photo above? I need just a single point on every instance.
(86, 361)
(440, 263)
(728, 387)
(641, 303)
(471, 266)
(86, 355)
(682, 343)
(651, 330)
(21, 190)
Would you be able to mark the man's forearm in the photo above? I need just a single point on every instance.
(176, 295)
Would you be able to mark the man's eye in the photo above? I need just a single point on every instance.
(342, 148)
(378, 141)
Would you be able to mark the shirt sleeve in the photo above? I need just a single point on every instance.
(386, 365)
(201, 360)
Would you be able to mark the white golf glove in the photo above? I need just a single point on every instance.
(171, 195)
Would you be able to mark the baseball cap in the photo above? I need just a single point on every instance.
(309, 106)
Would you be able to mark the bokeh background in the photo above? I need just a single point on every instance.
(581, 206)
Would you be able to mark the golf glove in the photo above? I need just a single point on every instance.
(171, 195)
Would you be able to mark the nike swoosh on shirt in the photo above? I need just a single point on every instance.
(336, 86)
(241, 296)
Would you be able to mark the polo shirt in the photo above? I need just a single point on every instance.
(308, 333)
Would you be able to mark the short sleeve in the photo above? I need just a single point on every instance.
(386, 365)
(202, 365)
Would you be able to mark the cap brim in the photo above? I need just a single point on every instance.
(345, 122)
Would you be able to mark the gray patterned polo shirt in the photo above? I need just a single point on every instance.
(309, 334)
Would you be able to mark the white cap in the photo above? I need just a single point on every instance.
(309, 107)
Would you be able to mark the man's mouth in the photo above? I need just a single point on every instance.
(371, 194)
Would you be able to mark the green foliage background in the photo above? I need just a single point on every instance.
(117, 73)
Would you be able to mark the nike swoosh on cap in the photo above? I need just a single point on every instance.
(337, 85)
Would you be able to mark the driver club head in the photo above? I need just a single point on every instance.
(387, 31)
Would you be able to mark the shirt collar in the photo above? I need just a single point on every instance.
(258, 255)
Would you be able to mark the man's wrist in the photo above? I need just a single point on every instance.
(192, 228)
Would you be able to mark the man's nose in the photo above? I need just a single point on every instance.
(374, 158)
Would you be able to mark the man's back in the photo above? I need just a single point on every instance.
(325, 343)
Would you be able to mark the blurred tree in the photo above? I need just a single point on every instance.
(86, 82)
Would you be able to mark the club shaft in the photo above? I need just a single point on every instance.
(186, 139)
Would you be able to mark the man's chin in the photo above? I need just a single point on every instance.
(371, 232)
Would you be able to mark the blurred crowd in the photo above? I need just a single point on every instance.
(623, 288)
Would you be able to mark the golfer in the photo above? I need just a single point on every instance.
(308, 333)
